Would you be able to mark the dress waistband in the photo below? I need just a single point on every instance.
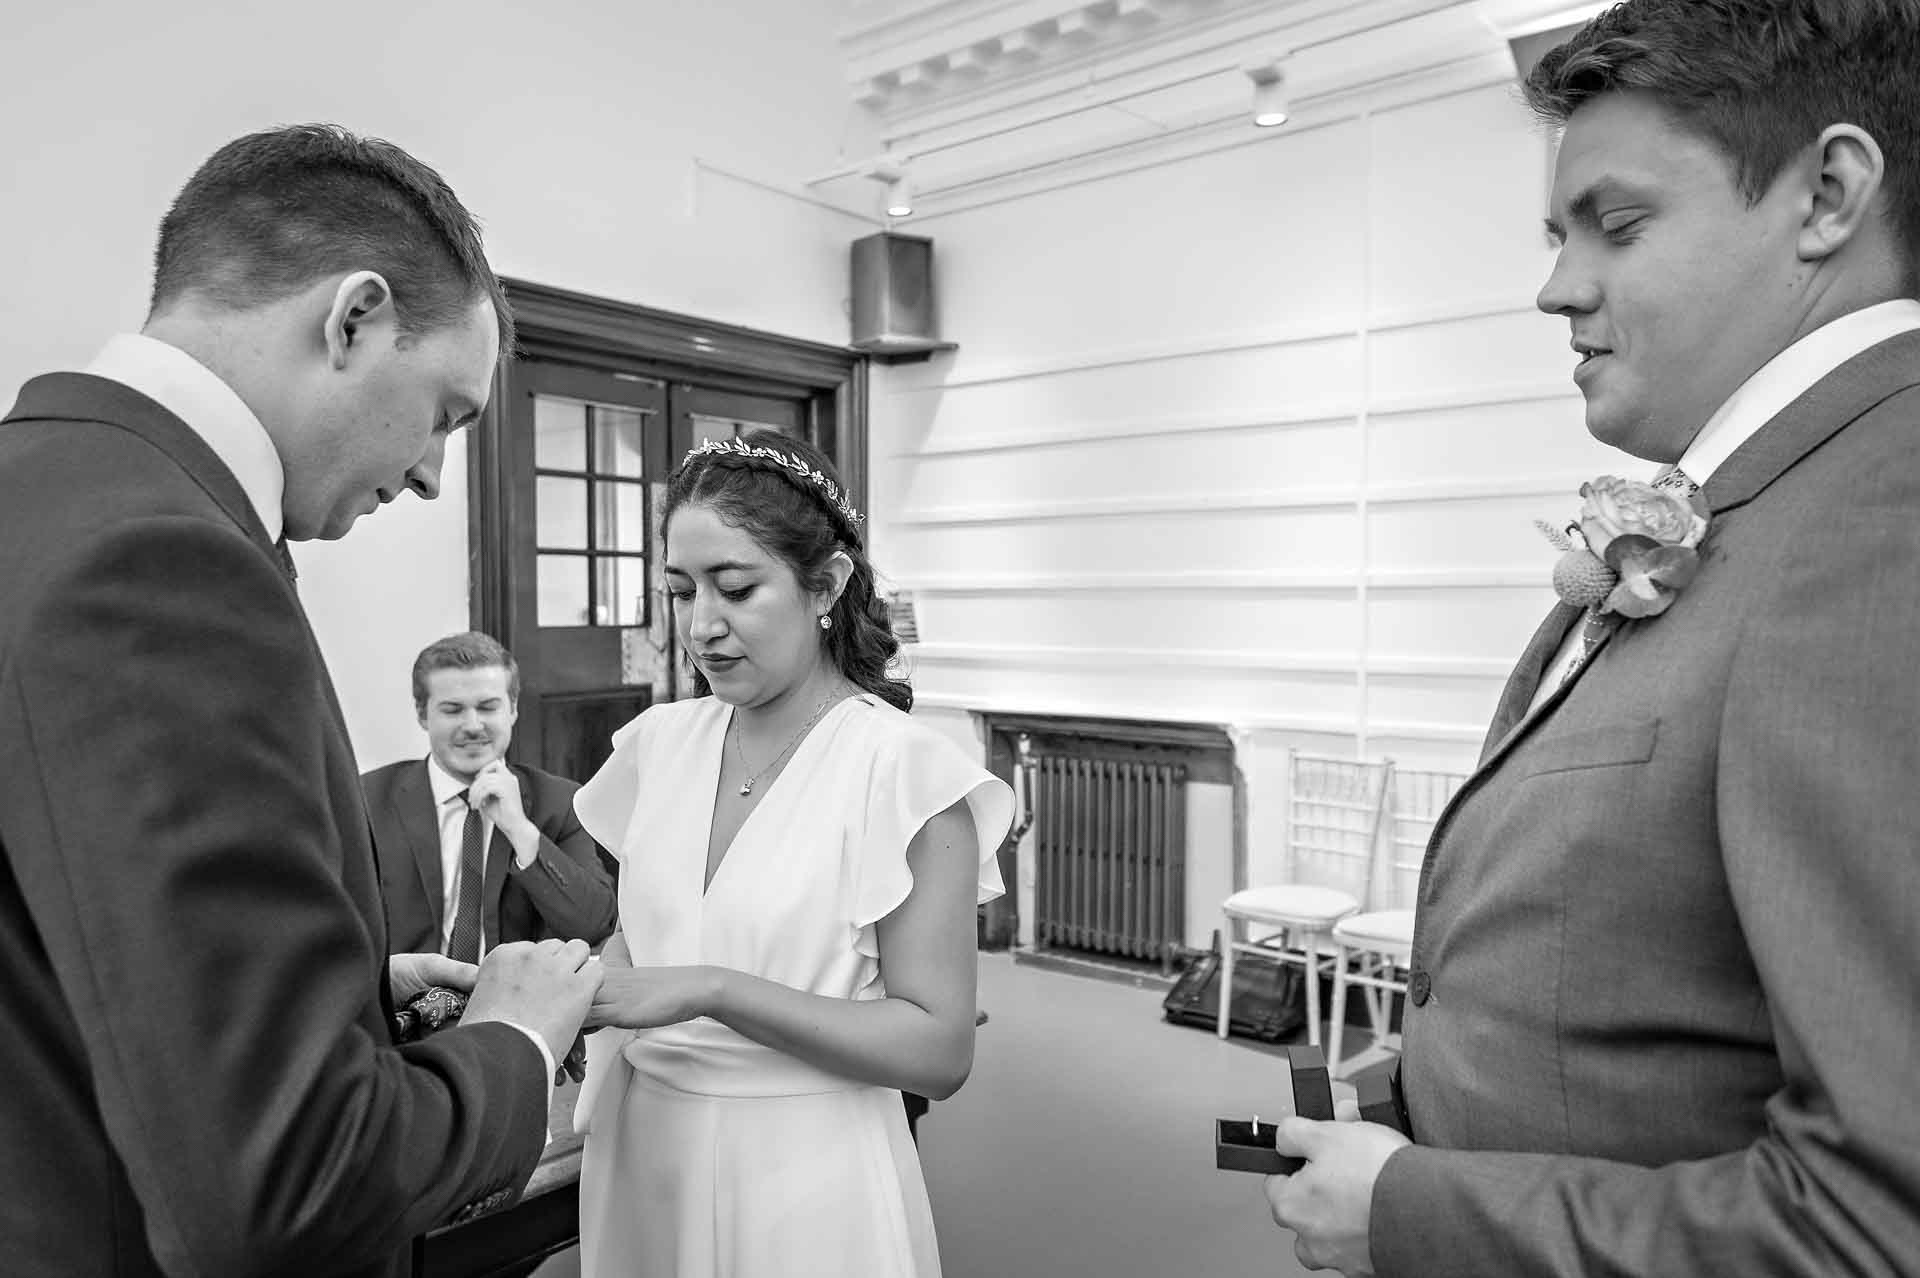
(706, 1058)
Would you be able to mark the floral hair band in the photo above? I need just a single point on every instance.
(806, 474)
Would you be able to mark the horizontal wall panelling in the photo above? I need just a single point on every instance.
(1449, 312)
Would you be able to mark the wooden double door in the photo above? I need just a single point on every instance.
(569, 474)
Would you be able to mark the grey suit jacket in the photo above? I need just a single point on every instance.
(1668, 942)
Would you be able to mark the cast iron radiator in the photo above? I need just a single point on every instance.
(1110, 855)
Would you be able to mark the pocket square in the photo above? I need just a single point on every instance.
(431, 1010)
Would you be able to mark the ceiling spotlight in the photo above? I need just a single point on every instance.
(1269, 92)
(892, 169)
(900, 197)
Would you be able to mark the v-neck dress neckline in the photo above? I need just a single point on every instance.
(717, 759)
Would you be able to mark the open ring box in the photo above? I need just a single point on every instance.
(1238, 1145)
(1247, 1145)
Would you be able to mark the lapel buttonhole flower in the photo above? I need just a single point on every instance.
(1633, 548)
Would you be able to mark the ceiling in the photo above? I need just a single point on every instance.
(984, 97)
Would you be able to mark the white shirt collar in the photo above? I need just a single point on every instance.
(446, 786)
(1787, 376)
(212, 409)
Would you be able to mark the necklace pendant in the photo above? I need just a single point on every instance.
(746, 787)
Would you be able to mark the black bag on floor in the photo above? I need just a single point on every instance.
(1269, 1000)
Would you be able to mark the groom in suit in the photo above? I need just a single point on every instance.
(1665, 985)
(472, 851)
(199, 1073)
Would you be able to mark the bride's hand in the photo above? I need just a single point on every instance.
(614, 952)
(646, 997)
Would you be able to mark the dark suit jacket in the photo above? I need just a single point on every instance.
(1669, 932)
(198, 1074)
(563, 893)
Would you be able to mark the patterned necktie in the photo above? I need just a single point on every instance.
(1678, 481)
(464, 944)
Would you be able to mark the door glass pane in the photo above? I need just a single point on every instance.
(616, 440)
(560, 513)
(559, 433)
(623, 591)
(620, 517)
(705, 428)
(562, 581)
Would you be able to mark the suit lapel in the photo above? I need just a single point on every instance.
(499, 852)
(82, 397)
(1527, 672)
(1531, 716)
(1517, 717)
(1826, 408)
(420, 819)
(1809, 421)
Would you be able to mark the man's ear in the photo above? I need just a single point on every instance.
(1845, 178)
(362, 305)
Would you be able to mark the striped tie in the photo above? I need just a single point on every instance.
(464, 944)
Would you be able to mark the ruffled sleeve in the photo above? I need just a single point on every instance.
(606, 802)
(916, 775)
(605, 806)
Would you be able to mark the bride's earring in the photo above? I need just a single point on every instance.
(826, 622)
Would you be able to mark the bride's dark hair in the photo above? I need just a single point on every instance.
(794, 518)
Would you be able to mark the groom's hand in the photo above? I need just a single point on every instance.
(575, 1065)
(546, 986)
(410, 974)
(1328, 1204)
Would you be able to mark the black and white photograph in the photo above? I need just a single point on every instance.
(960, 638)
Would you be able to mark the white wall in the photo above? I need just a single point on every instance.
(570, 128)
(1254, 437)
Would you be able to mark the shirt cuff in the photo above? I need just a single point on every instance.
(546, 1055)
(514, 863)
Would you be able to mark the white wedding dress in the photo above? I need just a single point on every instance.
(707, 1154)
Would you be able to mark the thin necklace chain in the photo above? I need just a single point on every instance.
(746, 787)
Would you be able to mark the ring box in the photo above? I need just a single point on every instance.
(1239, 1146)
(1312, 1084)
(1381, 1101)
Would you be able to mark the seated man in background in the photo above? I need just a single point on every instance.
(474, 852)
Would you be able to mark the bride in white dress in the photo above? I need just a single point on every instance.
(800, 862)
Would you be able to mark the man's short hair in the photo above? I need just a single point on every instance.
(1759, 79)
(469, 650)
(270, 213)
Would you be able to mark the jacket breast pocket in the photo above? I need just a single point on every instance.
(1609, 746)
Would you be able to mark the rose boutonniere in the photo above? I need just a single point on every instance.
(1634, 547)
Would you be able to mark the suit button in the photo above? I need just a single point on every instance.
(1420, 988)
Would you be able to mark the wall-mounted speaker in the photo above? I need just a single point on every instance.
(893, 313)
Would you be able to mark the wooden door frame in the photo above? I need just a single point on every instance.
(625, 338)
